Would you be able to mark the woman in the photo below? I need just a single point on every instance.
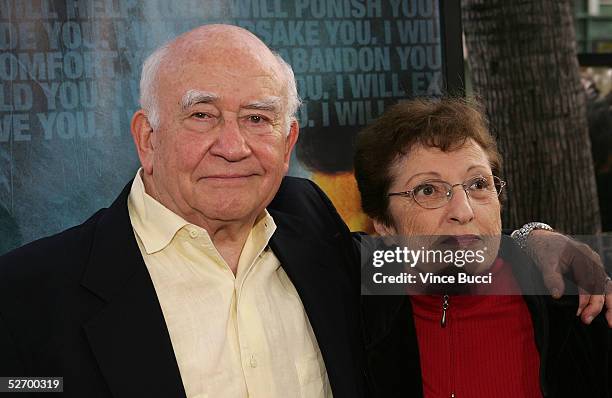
(430, 167)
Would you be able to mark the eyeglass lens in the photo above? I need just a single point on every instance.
(480, 189)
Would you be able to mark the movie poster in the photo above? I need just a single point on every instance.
(69, 76)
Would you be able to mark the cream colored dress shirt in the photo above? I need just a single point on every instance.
(233, 336)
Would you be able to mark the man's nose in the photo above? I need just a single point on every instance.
(230, 142)
(459, 208)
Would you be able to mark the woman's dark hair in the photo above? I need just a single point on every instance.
(445, 123)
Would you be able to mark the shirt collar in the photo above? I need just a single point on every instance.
(156, 225)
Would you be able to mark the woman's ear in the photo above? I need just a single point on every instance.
(383, 229)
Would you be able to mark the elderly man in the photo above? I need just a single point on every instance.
(187, 285)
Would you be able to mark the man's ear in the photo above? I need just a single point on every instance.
(142, 133)
(383, 229)
(292, 137)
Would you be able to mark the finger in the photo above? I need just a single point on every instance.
(583, 300)
(554, 283)
(592, 309)
(587, 269)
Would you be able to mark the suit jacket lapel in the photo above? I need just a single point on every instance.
(128, 337)
(315, 270)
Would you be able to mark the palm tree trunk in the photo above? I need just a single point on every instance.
(524, 67)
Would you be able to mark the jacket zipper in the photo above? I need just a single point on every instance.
(445, 306)
(443, 322)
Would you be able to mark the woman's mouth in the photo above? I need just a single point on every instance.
(459, 240)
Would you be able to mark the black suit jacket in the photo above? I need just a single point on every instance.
(82, 305)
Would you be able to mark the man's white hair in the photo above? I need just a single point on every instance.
(149, 98)
(148, 84)
(291, 92)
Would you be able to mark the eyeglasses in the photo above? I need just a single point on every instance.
(433, 194)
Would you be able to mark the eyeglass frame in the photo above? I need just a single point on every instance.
(450, 191)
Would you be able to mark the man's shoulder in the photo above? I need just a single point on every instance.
(296, 187)
(50, 257)
(304, 200)
(300, 195)
(66, 253)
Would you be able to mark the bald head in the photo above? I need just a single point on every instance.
(213, 44)
(221, 39)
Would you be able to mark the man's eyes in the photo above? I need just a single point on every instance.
(204, 121)
(201, 115)
(257, 119)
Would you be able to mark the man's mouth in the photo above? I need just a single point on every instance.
(231, 176)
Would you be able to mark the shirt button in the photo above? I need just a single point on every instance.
(193, 233)
(253, 361)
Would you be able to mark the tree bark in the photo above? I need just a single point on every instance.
(525, 70)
